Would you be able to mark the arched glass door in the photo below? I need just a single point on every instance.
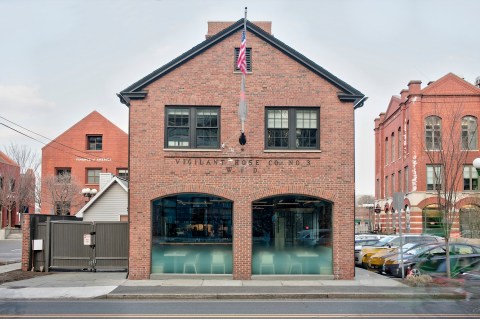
(192, 234)
(292, 235)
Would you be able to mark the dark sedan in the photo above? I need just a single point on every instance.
(431, 259)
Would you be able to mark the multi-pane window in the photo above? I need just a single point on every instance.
(94, 142)
(434, 177)
(470, 178)
(469, 133)
(406, 183)
(93, 175)
(12, 185)
(393, 147)
(433, 126)
(62, 208)
(63, 174)
(292, 128)
(248, 56)
(192, 127)
(399, 137)
(122, 173)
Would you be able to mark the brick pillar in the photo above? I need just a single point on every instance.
(26, 242)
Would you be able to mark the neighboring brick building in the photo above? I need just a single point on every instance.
(9, 181)
(201, 203)
(445, 110)
(92, 146)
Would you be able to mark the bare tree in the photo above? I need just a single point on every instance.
(64, 193)
(365, 199)
(447, 143)
(29, 181)
(9, 190)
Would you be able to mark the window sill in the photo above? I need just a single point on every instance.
(292, 151)
(191, 150)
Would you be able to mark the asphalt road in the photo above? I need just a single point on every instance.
(10, 251)
(239, 309)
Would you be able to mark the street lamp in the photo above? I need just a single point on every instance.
(476, 164)
(87, 192)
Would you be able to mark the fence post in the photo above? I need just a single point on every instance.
(26, 242)
(46, 249)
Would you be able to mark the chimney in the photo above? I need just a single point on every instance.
(403, 95)
(477, 82)
(414, 87)
(215, 27)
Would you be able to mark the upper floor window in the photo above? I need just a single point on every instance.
(407, 136)
(292, 128)
(469, 133)
(122, 173)
(406, 182)
(192, 127)
(63, 174)
(393, 147)
(12, 185)
(386, 186)
(433, 126)
(386, 151)
(248, 54)
(93, 175)
(94, 142)
(470, 178)
(434, 177)
(400, 147)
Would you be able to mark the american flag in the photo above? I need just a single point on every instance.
(242, 55)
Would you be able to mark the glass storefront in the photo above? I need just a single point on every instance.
(192, 234)
(292, 235)
(432, 217)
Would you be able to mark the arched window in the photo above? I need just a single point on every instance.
(433, 126)
(386, 152)
(469, 133)
(393, 147)
(400, 147)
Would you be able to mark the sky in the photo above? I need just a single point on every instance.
(60, 60)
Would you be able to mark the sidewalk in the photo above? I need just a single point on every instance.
(114, 285)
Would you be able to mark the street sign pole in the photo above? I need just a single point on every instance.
(398, 205)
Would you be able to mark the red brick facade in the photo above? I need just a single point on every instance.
(246, 173)
(69, 151)
(9, 171)
(406, 116)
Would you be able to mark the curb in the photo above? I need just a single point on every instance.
(331, 295)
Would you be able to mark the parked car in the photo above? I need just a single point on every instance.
(387, 256)
(394, 241)
(408, 250)
(358, 248)
(431, 259)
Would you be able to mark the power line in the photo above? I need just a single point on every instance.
(67, 146)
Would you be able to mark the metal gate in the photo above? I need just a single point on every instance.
(72, 244)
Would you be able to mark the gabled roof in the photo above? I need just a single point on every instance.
(347, 93)
(7, 160)
(93, 114)
(392, 106)
(115, 179)
(450, 84)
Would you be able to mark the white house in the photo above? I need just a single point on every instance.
(110, 203)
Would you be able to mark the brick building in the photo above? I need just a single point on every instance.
(9, 182)
(442, 115)
(92, 146)
(201, 203)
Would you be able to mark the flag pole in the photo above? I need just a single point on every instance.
(243, 75)
(243, 103)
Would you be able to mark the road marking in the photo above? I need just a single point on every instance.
(386, 315)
